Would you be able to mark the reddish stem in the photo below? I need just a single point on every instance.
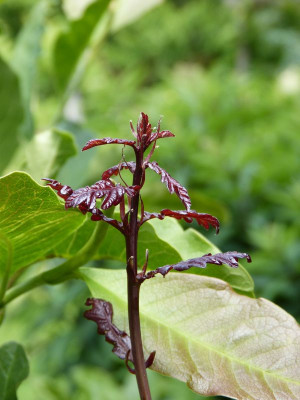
(133, 286)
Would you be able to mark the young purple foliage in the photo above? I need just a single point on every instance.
(102, 313)
(85, 199)
(172, 185)
(230, 258)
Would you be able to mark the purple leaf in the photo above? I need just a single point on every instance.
(85, 198)
(159, 135)
(145, 134)
(102, 313)
(100, 142)
(113, 195)
(203, 219)
(116, 168)
(172, 185)
(98, 215)
(63, 191)
(230, 258)
(143, 128)
(147, 215)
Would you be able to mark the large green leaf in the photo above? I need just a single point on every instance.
(71, 45)
(25, 58)
(33, 219)
(11, 113)
(14, 369)
(205, 334)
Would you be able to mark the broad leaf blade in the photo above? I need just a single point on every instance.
(205, 334)
(33, 219)
(11, 113)
(71, 45)
(14, 369)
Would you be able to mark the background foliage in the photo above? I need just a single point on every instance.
(226, 76)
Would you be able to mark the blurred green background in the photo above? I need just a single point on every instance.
(225, 76)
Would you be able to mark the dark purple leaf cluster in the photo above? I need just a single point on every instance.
(113, 194)
(85, 198)
(145, 134)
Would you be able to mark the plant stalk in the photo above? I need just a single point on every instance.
(133, 288)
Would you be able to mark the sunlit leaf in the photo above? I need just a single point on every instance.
(205, 334)
(33, 219)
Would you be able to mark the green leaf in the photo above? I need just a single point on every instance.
(51, 149)
(75, 241)
(14, 369)
(71, 45)
(190, 243)
(33, 219)
(113, 247)
(11, 113)
(205, 334)
(25, 57)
